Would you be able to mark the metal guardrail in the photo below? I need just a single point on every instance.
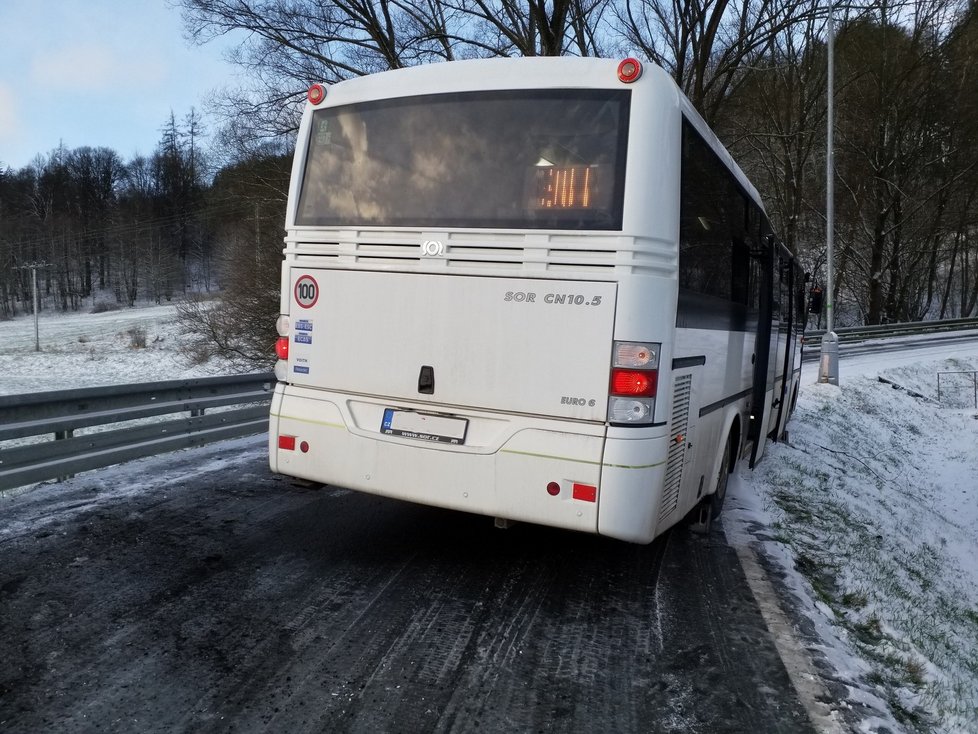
(862, 333)
(61, 412)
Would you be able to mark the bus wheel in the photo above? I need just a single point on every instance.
(716, 499)
(709, 509)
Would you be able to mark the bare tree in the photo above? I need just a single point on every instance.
(708, 45)
(898, 159)
(774, 125)
(240, 328)
(289, 44)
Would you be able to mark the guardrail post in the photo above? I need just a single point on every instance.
(61, 436)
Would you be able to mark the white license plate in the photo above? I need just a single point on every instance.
(424, 426)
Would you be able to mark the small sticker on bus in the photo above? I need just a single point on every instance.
(301, 370)
(301, 338)
(306, 291)
(303, 325)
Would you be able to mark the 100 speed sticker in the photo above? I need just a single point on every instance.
(306, 291)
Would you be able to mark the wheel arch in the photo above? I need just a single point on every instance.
(734, 433)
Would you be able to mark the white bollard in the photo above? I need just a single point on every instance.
(828, 366)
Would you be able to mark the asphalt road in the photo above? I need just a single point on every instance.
(198, 592)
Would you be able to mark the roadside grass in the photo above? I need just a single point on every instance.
(861, 498)
(113, 346)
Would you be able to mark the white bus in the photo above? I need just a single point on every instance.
(535, 289)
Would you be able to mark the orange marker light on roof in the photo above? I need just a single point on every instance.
(629, 70)
(316, 93)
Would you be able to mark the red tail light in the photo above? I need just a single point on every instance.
(637, 383)
(286, 443)
(282, 347)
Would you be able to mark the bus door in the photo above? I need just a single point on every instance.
(763, 263)
(780, 323)
(790, 317)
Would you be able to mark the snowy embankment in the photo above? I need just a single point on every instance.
(870, 509)
(87, 350)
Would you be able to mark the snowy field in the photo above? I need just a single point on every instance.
(86, 350)
(868, 512)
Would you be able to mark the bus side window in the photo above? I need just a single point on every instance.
(740, 273)
(704, 258)
(756, 284)
(713, 247)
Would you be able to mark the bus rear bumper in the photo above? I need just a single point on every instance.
(512, 467)
(631, 501)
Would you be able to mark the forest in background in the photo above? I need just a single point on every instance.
(192, 220)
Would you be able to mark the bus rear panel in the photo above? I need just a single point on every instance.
(480, 299)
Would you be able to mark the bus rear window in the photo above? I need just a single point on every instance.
(537, 159)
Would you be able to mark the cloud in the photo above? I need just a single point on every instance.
(93, 68)
(9, 118)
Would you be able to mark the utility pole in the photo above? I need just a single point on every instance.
(33, 268)
(828, 366)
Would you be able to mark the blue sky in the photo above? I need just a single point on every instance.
(98, 73)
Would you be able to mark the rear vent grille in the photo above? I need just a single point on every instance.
(682, 388)
(528, 254)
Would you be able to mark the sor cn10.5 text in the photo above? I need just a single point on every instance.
(568, 299)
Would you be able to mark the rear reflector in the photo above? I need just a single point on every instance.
(287, 443)
(282, 347)
(638, 383)
(585, 492)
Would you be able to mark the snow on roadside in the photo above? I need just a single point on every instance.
(88, 350)
(870, 510)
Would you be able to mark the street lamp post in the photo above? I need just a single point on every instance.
(828, 366)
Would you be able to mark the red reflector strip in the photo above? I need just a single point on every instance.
(639, 383)
(286, 442)
(585, 492)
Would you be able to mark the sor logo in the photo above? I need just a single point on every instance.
(432, 248)
(306, 291)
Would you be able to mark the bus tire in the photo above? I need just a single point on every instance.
(700, 520)
(723, 477)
